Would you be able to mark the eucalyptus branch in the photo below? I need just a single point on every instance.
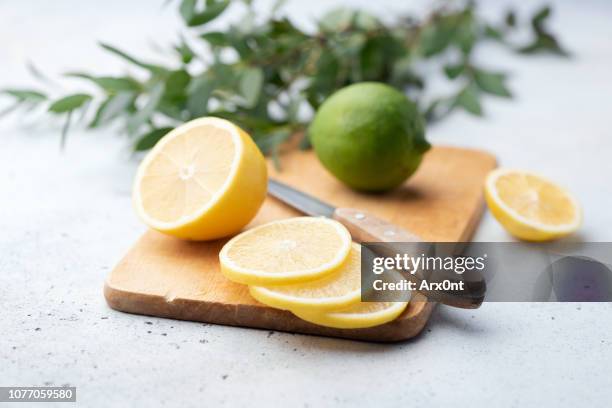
(283, 73)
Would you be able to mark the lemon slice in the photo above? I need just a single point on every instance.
(358, 316)
(204, 180)
(286, 251)
(531, 207)
(334, 291)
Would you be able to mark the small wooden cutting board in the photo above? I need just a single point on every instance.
(166, 277)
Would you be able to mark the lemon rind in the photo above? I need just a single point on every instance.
(340, 320)
(285, 302)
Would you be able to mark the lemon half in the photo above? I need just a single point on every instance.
(286, 251)
(530, 206)
(204, 180)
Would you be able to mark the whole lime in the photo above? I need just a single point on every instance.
(370, 136)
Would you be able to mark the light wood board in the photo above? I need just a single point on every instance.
(166, 277)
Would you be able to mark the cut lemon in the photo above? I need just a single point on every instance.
(286, 251)
(204, 180)
(531, 207)
(332, 292)
(358, 316)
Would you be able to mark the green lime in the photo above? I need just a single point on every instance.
(370, 136)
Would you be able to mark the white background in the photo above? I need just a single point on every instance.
(66, 219)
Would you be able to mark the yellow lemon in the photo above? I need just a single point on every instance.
(286, 251)
(204, 180)
(531, 207)
(358, 316)
(334, 291)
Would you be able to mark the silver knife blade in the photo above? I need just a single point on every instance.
(300, 201)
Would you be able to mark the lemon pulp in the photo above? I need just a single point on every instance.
(531, 207)
(286, 251)
(204, 180)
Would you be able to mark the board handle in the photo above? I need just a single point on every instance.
(365, 227)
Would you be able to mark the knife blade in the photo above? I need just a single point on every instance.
(300, 201)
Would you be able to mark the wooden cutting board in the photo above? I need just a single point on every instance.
(166, 277)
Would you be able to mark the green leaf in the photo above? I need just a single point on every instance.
(150, 139)
(37, 73)
(65, 129)
(198, 95)
(438, 109)
(194, 17)
(365, 21)
(215, 38)
(251, 83)
(436, 37)
(376, 57)
(69, 103)
(537, 21)
(226, 76)
(25, 95)
(324, 79)
(145, 113)
(453, 71)
(492, 82)
(114, 106)
(544, 43)
(430, 113)
(403, 75)
(176, 85)
(110, 84)
(468, 99)
(337, 20)
(84, 110)
(343, 19)
(273, 139)
(465, 37)
(493, 33)
(510, 18)
(352, 44)
(149, 67)
(174, 99)
(184, 51)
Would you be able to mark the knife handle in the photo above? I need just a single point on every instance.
(365, 227)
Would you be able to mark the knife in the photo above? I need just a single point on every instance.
(365, 227)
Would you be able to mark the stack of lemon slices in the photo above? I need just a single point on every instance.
(308, 266)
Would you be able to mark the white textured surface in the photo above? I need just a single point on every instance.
(66, 219)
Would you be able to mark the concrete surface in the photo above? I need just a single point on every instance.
(66, 219)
